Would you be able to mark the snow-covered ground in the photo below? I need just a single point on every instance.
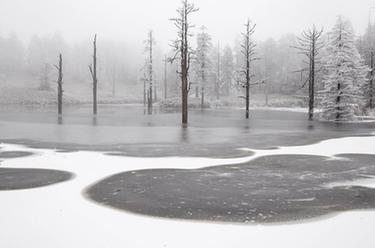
(59, 215)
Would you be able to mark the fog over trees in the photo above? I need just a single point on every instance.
(196, 69)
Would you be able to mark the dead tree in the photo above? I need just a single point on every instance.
(149, 44)
(144, 79)
(184, 52)
(59, 85)
(248, 51)
(309, 44)
(93, 71)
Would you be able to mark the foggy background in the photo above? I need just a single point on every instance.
(130, 20)
(33, 33)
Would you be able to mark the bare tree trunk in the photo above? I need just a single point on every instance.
(184, 68)
(309, 46)
(183, 50)
(247, 83)
(266, 90)
(248, 51)
(202, 89)
(247, 88)
(150, 100)
(93, 70)
(59, 85)
(338, 100)
(144, 90)
(312, 82)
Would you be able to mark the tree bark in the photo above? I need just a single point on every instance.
(59, 86)
(338, 100)
(150, 96)
(248, 71)
(183, 50)
(309, 46)
(184, 68)
(93, 70)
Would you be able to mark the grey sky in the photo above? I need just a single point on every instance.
(130, 20)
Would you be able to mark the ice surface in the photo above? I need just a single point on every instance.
(64, 218)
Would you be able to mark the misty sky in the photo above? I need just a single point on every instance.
(130, 20)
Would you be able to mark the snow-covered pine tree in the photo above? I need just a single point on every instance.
(345, 75)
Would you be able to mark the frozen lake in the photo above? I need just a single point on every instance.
(60, 183)
(126, 130)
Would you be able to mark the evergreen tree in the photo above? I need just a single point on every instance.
(345, 75)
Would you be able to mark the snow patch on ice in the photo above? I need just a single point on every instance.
(60, 215)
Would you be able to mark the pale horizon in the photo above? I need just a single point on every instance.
(130, 21)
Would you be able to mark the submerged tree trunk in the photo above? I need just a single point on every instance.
(144, 90)
(314, 51)
(59, 85)
(310, 45)
(247, 87)
(248, 51)
(183, 51)
(149, 42)
(93, 70)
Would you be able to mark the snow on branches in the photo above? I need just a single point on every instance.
(345, 75)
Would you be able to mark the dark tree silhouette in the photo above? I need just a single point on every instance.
(248, 51)
(93, 71)
(59, 68)
(149, 48)
(309, 44)
(184, 52)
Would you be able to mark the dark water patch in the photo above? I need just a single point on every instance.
(270, 189)
(14, 154)
(16, 179)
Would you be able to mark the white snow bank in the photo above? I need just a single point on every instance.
(58, 215)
